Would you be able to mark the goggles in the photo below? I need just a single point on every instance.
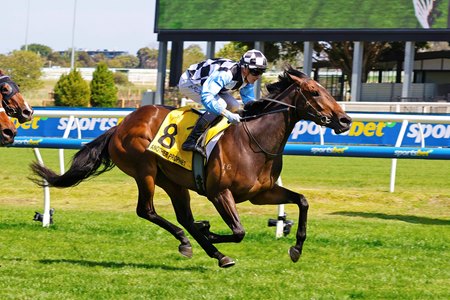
(256, 72)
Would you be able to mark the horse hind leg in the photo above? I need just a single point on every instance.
(146, 210)
(182, 205)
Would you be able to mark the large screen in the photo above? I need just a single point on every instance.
(301, 14)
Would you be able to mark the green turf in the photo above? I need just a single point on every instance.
(363, 241)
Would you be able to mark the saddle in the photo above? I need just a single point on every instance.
(175, 129)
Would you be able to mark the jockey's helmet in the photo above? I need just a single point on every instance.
(254, 60)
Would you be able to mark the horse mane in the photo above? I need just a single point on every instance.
(273, 89)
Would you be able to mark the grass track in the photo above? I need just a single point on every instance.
(363, 242)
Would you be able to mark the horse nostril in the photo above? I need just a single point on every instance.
(27, 113)
(8, 133)
(345, 120)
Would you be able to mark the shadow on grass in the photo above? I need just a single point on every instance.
(404, 218)
(112, 264)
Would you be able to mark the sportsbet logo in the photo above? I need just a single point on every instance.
(437, 131)
(368, 129)
(33, 124)
(412, 153)
(90, 124)
(357, 129)
(329, 150)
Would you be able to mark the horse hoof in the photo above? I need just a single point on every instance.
(226, 262)
(294, 254)
(185, 250)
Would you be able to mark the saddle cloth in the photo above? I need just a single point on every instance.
(173, 132)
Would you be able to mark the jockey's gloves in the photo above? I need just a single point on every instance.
(232, 118)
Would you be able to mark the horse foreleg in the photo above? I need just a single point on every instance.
(281, 195)
(145, 209)
(225, 205)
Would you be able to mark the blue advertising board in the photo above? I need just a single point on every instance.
(374, 133)
(56, 126)
(360, 133)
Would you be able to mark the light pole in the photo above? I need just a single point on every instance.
(72, 61)
(27, 25)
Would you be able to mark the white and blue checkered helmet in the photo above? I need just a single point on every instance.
(254, 59)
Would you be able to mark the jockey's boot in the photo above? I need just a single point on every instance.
(191, 143)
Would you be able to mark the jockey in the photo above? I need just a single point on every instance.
(210, 82)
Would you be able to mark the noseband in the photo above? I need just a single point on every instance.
(6, 97)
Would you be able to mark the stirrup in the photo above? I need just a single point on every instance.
(194, 147)
(200, 150)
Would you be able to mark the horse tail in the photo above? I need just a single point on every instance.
(92, 160)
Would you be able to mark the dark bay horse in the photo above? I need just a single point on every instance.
(13, 101)
(7, 129)
(244, 165)
(14, 105)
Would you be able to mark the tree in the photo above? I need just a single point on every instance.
(103, 89)
(123, 61)
(24, 67)
(148, 58)
(273, 51)
(121, 79)
(84, 60)
(232, 50)
(71, 90)
(42, 50)
(56, 59)
(191, 55)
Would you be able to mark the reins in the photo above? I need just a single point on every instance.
(286, 108)
(274, 100)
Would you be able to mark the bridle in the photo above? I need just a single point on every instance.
(324, 120)
(6, 97)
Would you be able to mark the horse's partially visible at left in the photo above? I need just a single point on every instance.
(244, 165)
(7, 129)
(12, 100)
(13, 105)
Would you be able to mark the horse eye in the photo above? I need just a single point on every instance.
(315, 93)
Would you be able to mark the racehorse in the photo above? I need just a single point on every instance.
(14, 105)
(7, 129)
(244, 165)
(13, 101)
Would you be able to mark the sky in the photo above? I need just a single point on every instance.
(99, 24)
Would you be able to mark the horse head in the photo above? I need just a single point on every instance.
(7, 129)
(311, 100)
(12, 100)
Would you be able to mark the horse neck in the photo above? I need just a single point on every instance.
(272, 131)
